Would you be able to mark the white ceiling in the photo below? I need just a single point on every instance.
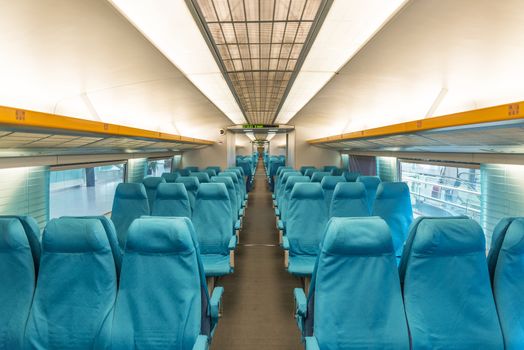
(82, 58)
(466, 54)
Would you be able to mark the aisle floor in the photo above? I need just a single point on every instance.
(258, 299)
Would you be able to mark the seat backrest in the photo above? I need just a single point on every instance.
(328, 184)
(211, 172)
(233, 200)
(17, 268)
(351, 176)
(217, 169)
(328, 168)
(282, 184)
(170, 177)
(506, 265)
(446, 287)
(280, 176)
(76, 288)
(202, 177)
(164, 309)
(151, 184)
(191, 184)
(234, 176)
(191, 168)
(309, 171)
(357, 249)
(306, 218)
(130, 203)
(349, 200)
(319, 175)
(288, 188)
(393, 204)
(337, 171)
(212, 219)
(371, 183)
(172, 200)
(34, 236)
(305, 167)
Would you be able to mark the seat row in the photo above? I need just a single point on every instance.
(73, 288)
(444, 294)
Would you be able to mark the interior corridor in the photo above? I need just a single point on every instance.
(258, 298)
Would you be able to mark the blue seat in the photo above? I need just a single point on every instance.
(234, 176)
(18, 271)
(506, 267)
(163, 301)
(337, 172)
(77, 284)
(211, 172)
(371, 183)
(130, 203)
(329, 168)
(241, 181)
(305, 221)
(280, 186)
(151, 184)
(278, 178)
(445, 281)
(191, 184)
(328, 184)
(217, 169)
(191, 168)
(349, 200)
(393, 204)
(172, 200)
(288, 188)
(202, 177)
(170, 177)
(351, 176)
(319, 175)
(233, 200)
(309, 172)
(354, 299)
(214, 228)
(306, 167)
(32, 232)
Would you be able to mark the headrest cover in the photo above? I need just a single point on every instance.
(175, 191)
(211, 172)
(152, 182)
(232, 175)
(202, 177)
(160, 235)
(329, 182)
(514, 239)
(349, 190)
(357, 236)
(448, 236)
(307, 190)
(310, 171)
(225, 180)
(369, 181)
(351, 176)
(292, 180)
(130, 191)
(71, 235)
(190, 182)
(12, 235)
(392, 190)
(170, 177)
(287, 170)
(213, 191)
(288, 174)
(317, 177)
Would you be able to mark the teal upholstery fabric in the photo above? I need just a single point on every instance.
(217, 169)
(351, 176)
(281, 185)
(170, 177)
(279, 177)
(309, 171)
(191, 168)
(76, 288)
(368, 314)
(447, 293)
(233, 200)
(151, 184)
(328, 184)
(319, 175)
(290, 182)
(167, 309)
(210, 172)
(202, 177)
(234, 176)
(349, 200)
(172, 200)
(33, 234)
(393, 204)
(371, 183)
(191, 184)
(304, 168)
(305, 219)
(329, 168)
(507, 277)
(17, 268)
(130, 203)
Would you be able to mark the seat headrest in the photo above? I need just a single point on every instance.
(349, 190)
(292, 180)
(351, 176)
(357, 236)
(307, 190)
(171, 191)
(230, 174)
(170, 177)
(319, 175)
(369, 181)
(71, 235)
(190, 182)
(211, 172)
(153, 181)
(330, 182)
(514, 239)
(160, 235)
(213, 191)
(202, 176)
(448, 236)
(392, 190)
(288, 174)
(225, 180)
(12, 235)
(131, 191)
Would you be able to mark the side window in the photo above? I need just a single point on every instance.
(442, 190)
(84, 191)
(156, 167)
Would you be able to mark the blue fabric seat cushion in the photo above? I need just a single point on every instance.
(302, 265)
(216, 264)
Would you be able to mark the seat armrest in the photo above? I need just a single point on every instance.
(273, 195)
(277, 212)
(237, 225)
(285, 243)
(214, 302)
(312, 343)
(300, 301)
(232, 242)
(201, 343)
(281, 226)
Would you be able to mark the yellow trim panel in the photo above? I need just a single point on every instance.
(507, 112)
(16, 117)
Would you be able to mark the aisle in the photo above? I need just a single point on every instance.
(258, 298)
